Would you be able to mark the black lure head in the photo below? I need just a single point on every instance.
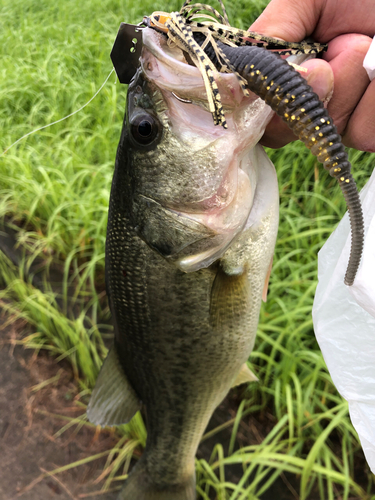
(126, 51)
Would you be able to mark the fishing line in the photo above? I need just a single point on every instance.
(60, 120)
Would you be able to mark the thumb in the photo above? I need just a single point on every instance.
(290, 20)
(320, 77)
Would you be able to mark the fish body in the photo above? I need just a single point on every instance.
(192, 226)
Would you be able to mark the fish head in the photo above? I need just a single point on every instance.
(191, 182)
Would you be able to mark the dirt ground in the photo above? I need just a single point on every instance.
(28, 444)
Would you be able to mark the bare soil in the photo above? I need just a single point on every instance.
(28, 425)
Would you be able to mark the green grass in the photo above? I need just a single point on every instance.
(54, 191)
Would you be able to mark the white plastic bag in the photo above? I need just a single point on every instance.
(344, 321)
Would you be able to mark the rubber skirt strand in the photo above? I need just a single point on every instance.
(288, 94)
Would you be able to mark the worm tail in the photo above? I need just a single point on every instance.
(288, 94)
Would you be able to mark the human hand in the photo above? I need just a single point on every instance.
(348, 26)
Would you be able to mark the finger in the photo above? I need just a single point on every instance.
(320, 76)
(277, 134)
(290, 20)
(293, 20)
(360, 132)
(345, 16)
(345, 55)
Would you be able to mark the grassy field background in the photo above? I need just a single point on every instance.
(54, 192)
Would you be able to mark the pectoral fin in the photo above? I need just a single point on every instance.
(230, 299)
(265, 288)
(113, 400)
(245, 375)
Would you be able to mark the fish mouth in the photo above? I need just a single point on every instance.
(170, 69)
(222, 179)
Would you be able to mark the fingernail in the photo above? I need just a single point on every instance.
(321, 80)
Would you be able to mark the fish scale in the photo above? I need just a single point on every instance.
(168, 432)
(184, 282)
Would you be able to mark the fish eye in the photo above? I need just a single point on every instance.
(144, 129)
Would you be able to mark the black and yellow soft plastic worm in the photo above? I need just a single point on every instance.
(276, 82)
(288, 94)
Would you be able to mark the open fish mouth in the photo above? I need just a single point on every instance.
(209, 199)
(172, 70)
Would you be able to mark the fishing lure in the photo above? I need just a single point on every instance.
(213, 45)
(182, 30)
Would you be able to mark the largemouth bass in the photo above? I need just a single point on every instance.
(192, 226)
